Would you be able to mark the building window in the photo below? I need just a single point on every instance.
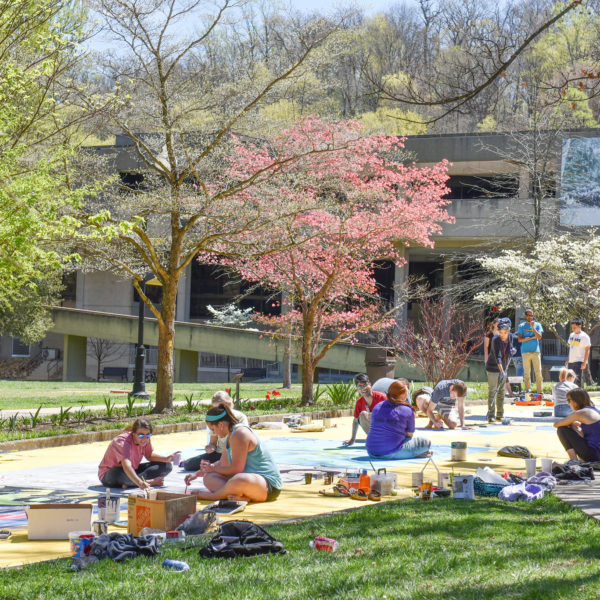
(20, 349)
(471, 187)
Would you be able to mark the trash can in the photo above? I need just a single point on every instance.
(555, 372)
(380, 362)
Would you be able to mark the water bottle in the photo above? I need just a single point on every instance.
(178, 565)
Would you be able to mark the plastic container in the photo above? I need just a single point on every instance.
(324, 544)
(81, 543)
(365, 482)
(383, 482)
(177, 565)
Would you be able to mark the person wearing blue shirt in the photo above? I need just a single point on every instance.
(529, 335)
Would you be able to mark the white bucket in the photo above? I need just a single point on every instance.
(417, 479)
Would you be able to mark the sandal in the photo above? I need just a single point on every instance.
(375, 495)
(332, 493)
(358, 494)
(342, 490)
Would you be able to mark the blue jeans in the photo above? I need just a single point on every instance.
(518, 362)
(412, 447)
(562, 410)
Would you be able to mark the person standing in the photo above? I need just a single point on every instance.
(501, 350)
(529, 335)
(579, 351)
(364, 406)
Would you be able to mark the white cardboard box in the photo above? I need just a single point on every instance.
(55, 521)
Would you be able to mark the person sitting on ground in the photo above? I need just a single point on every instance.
(579, 432)
(245, 471)
(216, 445)
(393, 426)
(566, 383)
(122, 464)
(364, 406)
(383, 383)
(442, 403)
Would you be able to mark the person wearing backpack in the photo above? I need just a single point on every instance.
(245, 471)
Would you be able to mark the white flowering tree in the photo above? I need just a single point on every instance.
(557, 277)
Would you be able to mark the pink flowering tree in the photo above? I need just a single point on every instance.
(350, 203)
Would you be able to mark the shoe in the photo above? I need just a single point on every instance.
(358, 494)
(573, 462)
(491, 420)
(375, 495)
(499, 419)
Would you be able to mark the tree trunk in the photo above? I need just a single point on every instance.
(287, 364)
(308, 363)
(308, 372)
(166, 345)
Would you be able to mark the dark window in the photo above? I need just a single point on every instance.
(470, 187)
(19, 348)
(69, 293)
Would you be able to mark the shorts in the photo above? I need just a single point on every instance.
(272, 492)
(448, 412)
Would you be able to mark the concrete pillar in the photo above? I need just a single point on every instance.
(186, 366)
(74, 357)
(183, 296)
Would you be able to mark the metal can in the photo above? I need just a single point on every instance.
(100, 527)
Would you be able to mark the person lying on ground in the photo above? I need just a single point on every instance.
(579, 432)
(393, 426)
(245, 471)
(364, 406)
(441, 405)
(122, 464)
(216, 445)
(566, 382)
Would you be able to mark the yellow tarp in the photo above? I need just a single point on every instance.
(296, 500)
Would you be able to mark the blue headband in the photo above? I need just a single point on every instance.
(216, 417)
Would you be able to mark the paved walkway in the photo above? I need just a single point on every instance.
(582, 495)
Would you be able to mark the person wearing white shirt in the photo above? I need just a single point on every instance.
(579, 351)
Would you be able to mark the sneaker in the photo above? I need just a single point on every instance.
(573, 462)
(499, 419)
(491, 420)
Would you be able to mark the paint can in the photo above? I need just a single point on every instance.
(99, 527)
(81, 543)
(327, 423)
(417, 479)
(307, 478)
(458, 451)
(547, 465)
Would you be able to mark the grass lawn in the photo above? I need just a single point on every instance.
(443, 549)
(31, 394)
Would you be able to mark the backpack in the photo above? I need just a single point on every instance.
(241, 538)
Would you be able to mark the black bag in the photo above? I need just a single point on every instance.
(515, 452)
(241, 538)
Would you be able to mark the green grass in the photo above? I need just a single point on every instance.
(31, 394)
(439, 550)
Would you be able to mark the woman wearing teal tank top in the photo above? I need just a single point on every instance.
(245, 471)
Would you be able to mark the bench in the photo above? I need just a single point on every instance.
(254, 373)
(115, 372)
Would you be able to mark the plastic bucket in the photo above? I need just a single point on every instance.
(458, 451)
(81, 543)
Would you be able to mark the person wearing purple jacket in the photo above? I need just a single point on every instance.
(579, 432)
(393, 426)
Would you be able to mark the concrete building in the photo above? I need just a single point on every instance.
(490, 201)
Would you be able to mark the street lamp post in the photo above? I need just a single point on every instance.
(139, 378)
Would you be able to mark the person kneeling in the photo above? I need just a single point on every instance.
(122, 464)
(579, 432)
(245, 471)
(393, 426)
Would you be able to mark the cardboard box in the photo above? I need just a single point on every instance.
(163, 510)
(55, 521)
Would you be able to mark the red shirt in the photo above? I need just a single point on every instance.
(361, 403)
(122, 447)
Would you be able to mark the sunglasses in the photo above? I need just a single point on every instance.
(144, 435)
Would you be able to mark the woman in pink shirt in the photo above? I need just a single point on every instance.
(122, 465)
